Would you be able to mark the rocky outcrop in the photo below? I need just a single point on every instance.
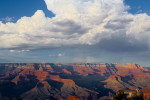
(88, 81)
(146, 89)
(73, 98)
(66, 71)
(49, 68)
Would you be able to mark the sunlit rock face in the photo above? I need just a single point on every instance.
(86, 81)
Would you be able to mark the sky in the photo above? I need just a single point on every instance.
(69, 31)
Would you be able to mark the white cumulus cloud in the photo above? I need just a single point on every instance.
(76, 22)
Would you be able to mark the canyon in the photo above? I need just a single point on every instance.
(56, 81)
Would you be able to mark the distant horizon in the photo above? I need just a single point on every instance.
(77, 63)
(75, 31)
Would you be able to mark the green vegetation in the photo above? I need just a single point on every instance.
(120, 95)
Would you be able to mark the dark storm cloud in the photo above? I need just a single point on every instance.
(115, 44)
(118, 24)
(68, 27)
(123, 44)
(118, 48)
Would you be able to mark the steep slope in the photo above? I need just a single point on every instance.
(87, 81)
(128, 77)
(64, 89)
